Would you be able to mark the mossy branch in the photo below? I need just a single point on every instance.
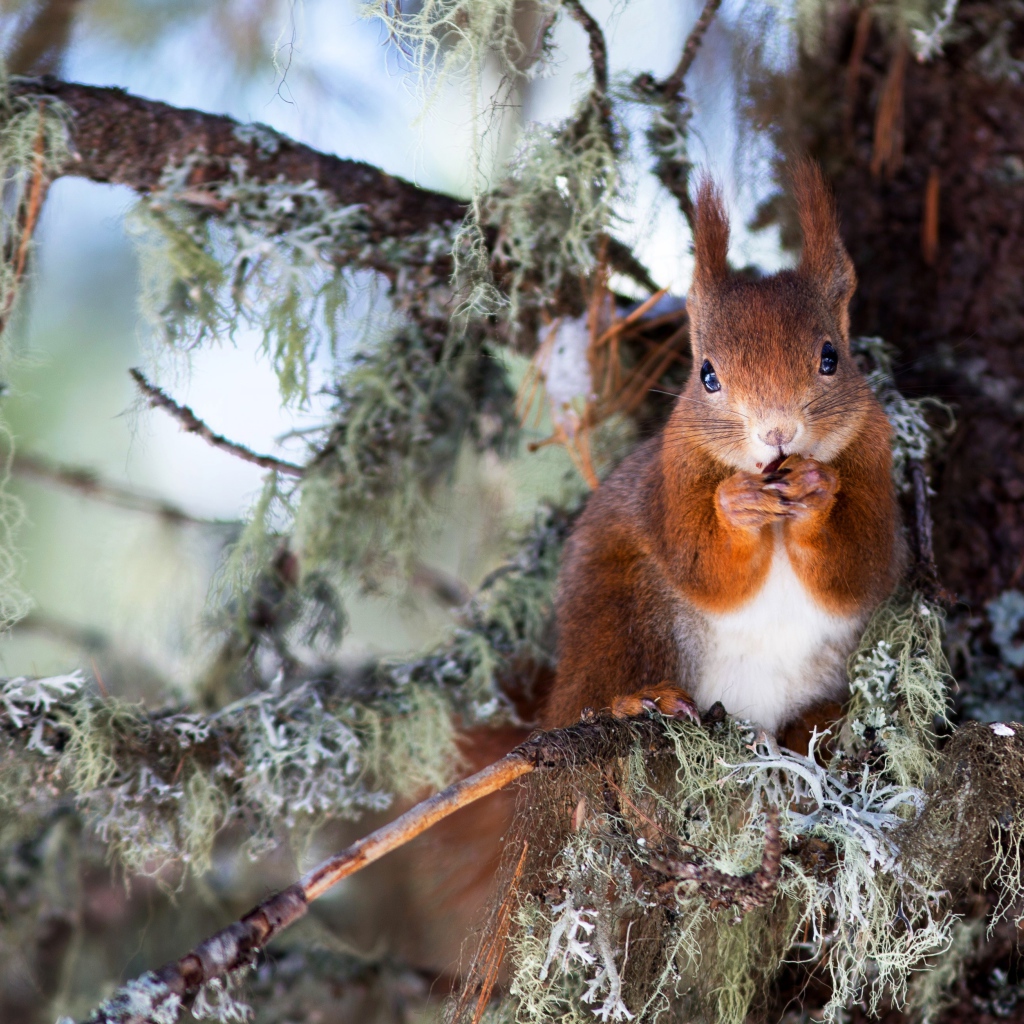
(128, 140)
(160, 994)
(177, 983)
(192, 424)
(669, 128)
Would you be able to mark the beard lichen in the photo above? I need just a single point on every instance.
(445, 38)
(403, 414)
(245, 252)
(558, 205)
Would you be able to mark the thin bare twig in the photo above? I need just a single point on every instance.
(671, 86)
(598, 47)
(90, 484)
(192, 424)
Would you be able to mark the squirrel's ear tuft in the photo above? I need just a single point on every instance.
(710, 236)
(825, 261)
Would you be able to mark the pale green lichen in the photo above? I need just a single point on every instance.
(218, 1000)
(913, 436)
(158, 787)
(403, 415)
(558, 204)
(930, 987)
(446, 38)
(143, 998)
(246, 252)
(899, 688)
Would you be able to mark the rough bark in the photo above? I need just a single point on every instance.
(127, 140)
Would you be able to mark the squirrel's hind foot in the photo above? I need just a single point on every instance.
(666, 698)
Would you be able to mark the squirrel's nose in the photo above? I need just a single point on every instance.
(777, 437)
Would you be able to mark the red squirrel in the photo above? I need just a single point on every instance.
(737, 555)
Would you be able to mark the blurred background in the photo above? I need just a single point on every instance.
(105, 580)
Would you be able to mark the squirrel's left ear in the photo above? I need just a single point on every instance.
(824, 261)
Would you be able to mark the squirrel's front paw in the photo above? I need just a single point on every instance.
(745, 502)
(670, 700)
(805, 487)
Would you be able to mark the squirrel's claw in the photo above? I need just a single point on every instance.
(667, 699)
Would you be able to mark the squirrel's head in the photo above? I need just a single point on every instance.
(772, 373)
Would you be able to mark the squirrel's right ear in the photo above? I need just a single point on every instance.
(825, 260)
(710, 243)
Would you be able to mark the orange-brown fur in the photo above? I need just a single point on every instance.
(689, 523)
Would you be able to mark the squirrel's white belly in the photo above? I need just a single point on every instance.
(777, 654)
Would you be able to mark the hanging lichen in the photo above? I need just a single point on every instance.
(242, 252)
(449, 38)
(556, 208)
(403, 415)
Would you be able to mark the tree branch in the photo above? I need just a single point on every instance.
(42, 43)
(192, 424)
(165, 990)
(672, 85)
(122, 139)
(672, 168)
(90, 484)
(598, 47)
(128, 140)
(235, 946)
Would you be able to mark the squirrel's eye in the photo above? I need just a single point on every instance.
(709, 378)
(829, 359)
